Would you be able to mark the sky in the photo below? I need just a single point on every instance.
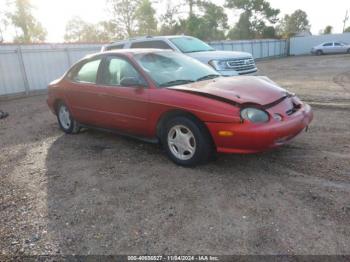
(54, 14)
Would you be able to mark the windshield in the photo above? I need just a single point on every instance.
(190, 44)
(171, 68)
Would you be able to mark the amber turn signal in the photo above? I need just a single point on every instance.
(225, 133)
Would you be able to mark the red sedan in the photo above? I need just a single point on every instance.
(163, 96)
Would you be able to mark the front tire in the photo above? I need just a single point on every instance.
(186, 141)
(319, 52)
(66, 120)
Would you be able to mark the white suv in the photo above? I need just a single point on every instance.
(227, 63)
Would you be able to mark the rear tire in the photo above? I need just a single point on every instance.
(349, 51)
(186, 141)
(66, 120)
(319, 52)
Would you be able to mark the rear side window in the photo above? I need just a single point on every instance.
(87, 72)
(328, 44)
(338, 44)
(151, 44)
(115, 47)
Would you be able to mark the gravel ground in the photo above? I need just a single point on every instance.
(98, 193)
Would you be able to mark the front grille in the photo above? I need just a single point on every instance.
(241, 64)
(295, 108)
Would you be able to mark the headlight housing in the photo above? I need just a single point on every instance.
(254, 115)
(218, 65)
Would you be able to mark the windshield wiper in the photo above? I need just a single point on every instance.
(176, 82)
(207, 77)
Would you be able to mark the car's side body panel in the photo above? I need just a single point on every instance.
(331, 48)
(216, 103)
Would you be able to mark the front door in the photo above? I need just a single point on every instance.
(125, 96)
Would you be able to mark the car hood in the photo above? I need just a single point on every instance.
(218, 55)
(239, 90)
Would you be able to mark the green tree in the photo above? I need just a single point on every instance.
(294, 23)
(145, 17)
(347, 30)
(243, 29)
(210, 25)
(3, 25)
(169, 22)
(215, 21)
(77, 30)
(124, 14)
(328, 30)
(256, 18)
(22, 18)
(191, 6)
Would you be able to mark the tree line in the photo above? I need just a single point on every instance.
(200, 18)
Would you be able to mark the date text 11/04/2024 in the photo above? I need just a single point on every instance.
(173, 258)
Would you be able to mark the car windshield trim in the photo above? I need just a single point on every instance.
(208, 77)
(176, 82)
(197, 51)
(167, 68)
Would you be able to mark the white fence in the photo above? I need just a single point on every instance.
(258, 48)
(27, 68)
(303, 45)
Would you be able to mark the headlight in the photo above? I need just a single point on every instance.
(218, 65)
(254, 115)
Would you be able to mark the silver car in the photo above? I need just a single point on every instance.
(227, 63)
(331, 48)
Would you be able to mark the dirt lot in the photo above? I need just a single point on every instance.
(98, 193)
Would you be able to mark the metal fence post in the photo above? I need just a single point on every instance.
(69, 60)
(281, 47)
(287, 47)
(23, 70)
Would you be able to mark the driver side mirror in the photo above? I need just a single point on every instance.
(132, 82)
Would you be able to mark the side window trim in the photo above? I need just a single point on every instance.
(104, 66)
(75, 70)
(152, 40)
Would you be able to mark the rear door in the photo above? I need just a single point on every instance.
(124, 102)
(83, 94)
(339, 47)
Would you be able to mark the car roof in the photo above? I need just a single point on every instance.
(146, 38)
(133, 51)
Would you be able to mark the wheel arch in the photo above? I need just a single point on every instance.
(56, 102)
(175, 113)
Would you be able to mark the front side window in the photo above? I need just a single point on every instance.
(190, 44)
(87, 72)
(118, 70)
(170, 68)
(156, 44)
